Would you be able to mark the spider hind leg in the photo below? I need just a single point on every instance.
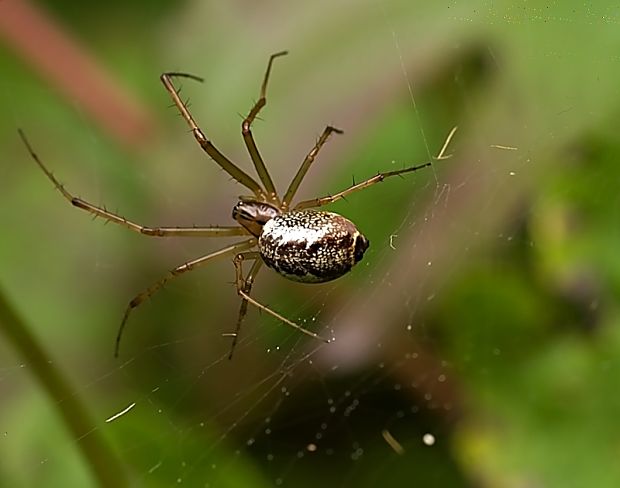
(240, 282)
(243, 308)
(174, 273)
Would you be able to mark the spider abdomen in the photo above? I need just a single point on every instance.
(311, 246)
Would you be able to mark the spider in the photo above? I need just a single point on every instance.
(298, 242)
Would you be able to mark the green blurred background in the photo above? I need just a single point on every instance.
(477, 344)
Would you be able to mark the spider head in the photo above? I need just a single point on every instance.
(253, 214)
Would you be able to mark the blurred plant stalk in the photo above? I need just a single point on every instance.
(45, 45)
(104, 465)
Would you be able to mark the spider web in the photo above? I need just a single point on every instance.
(439, 370)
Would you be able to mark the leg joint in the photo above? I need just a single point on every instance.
(200, 137)
(331, 128)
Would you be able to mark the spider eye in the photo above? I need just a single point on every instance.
(361, 244)
(241, 211)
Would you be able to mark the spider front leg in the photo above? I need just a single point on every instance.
(207, 146)
(174, 273)
(248, 138)
(239, 258)
(225, 231)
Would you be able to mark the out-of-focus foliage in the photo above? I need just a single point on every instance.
(517, 305)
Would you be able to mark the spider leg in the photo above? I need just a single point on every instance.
(248, 138)
(225, 163)
(239, 258)
(318, 202)
(305, 165)
(212, 231)
(179, 270)
(243, 309)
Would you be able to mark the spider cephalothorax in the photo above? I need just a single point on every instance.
(299, 243)
(253, 214)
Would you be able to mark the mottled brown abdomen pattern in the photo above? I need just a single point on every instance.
(311, 246)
